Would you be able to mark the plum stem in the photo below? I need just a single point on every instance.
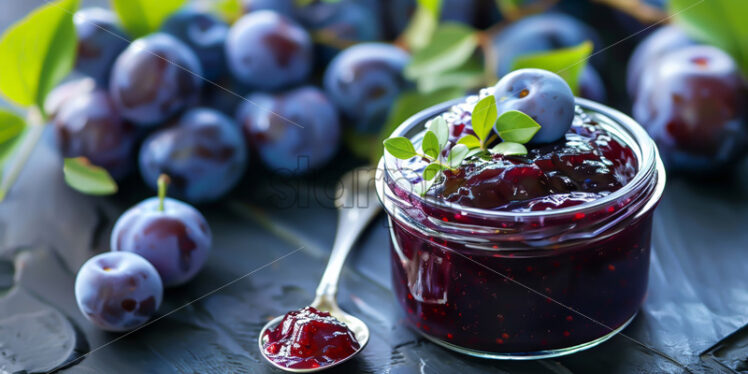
(35, 119)
(163, 185)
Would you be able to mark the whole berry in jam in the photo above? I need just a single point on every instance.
(89, 125)
(205, 34)
(154, 78)
(268, 51)
(100, 41)
(691, 104)
(364, 80)
(294, 131)
(118, 291)
(204, 153)
(647, 54)
(540, 94)
(170, 234)
(309, 338)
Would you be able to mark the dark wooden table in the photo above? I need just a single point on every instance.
(272, 238)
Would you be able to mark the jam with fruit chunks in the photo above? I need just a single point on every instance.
(308, 338)
(534, 256)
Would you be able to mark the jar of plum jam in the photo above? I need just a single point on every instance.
(525, 257)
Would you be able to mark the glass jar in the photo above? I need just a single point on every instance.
(527, 285)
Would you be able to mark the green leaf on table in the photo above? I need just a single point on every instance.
(566, 62)
(509, 149)
(430, 145)
(11, 125)
(469, 141)
(89, 179)
(406, 105)
(431, 171)
(451, 46)
(456, 155)
(441, 129)
(142, 17)
(721, 23)
(400, 147)
(517, 127)
(37, 52)
(484, 117)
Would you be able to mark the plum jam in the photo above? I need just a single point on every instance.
(532, 256)
(307, 339)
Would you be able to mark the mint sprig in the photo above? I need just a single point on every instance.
(513, 127)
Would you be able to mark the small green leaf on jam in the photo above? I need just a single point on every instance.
(470, 141)
(431, 171)
(457, 155)
(440, 128)
(517, 127)
(430, 145)
(400, 147)
(509, 149)
(484, 117)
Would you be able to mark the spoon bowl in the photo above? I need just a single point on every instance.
(357, 205)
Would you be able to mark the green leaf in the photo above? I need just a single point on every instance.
(406, 105)
(474, 152)
(469, 75)
(8, 149)
(424, 186)
(469, 141)
(142, 17)
(431, 171)
(509, 149)
(456, 155)
(37, 52)
(433, 6)
(11, 125)
(89, 179)
(400, 147)
(228, 10)
(515, 126)
(430, 145)
(440, 128)
(720, 23)
(420, 30)
(566, 62)
(451, 45)
(484, 117)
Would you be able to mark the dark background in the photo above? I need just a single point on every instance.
(698, 293)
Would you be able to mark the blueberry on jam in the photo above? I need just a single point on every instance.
(308, 338)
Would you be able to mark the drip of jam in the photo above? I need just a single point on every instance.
(307, 339)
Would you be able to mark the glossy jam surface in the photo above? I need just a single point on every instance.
(523, 283)
(587, 164)
(308, 338)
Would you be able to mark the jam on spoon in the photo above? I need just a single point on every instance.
(308, 338)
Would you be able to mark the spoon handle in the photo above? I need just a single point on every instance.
(357, 206)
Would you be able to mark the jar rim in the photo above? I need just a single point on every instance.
(649, 165)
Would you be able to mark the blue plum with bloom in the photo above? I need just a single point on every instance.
(364, 80)
(100, 41)
(175, 238)
(154, 78)
(540, 94)
(286, 127)
(661, 42)
(89, 125)
(118, 291)
(205, 34)
(268, 51)
(203, 153)
(692, 103)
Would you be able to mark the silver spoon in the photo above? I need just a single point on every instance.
(357, 205)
